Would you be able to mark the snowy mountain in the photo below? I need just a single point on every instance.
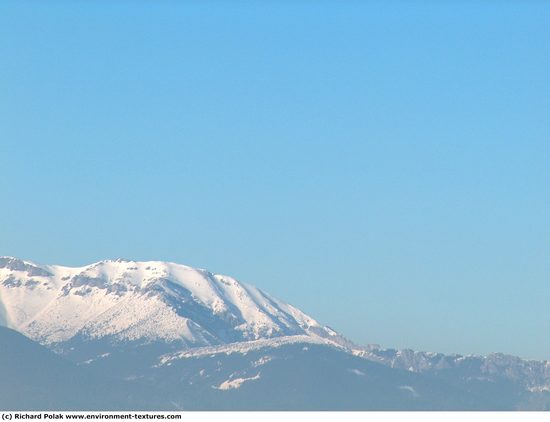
(171, 337)
(143, 302)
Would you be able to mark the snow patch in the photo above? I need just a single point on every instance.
(3, 316)
(236, 383)
(409, 389)
(262, 361)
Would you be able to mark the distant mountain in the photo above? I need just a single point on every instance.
(531, 375)
(166, 336)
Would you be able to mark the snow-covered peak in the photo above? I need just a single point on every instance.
(125, 300)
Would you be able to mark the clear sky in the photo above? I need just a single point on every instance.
(384, 166)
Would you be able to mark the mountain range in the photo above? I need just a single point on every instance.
(121, 334)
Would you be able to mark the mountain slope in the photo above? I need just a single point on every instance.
(318, 377)
(34, 378)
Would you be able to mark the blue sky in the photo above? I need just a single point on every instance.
(384, 166)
